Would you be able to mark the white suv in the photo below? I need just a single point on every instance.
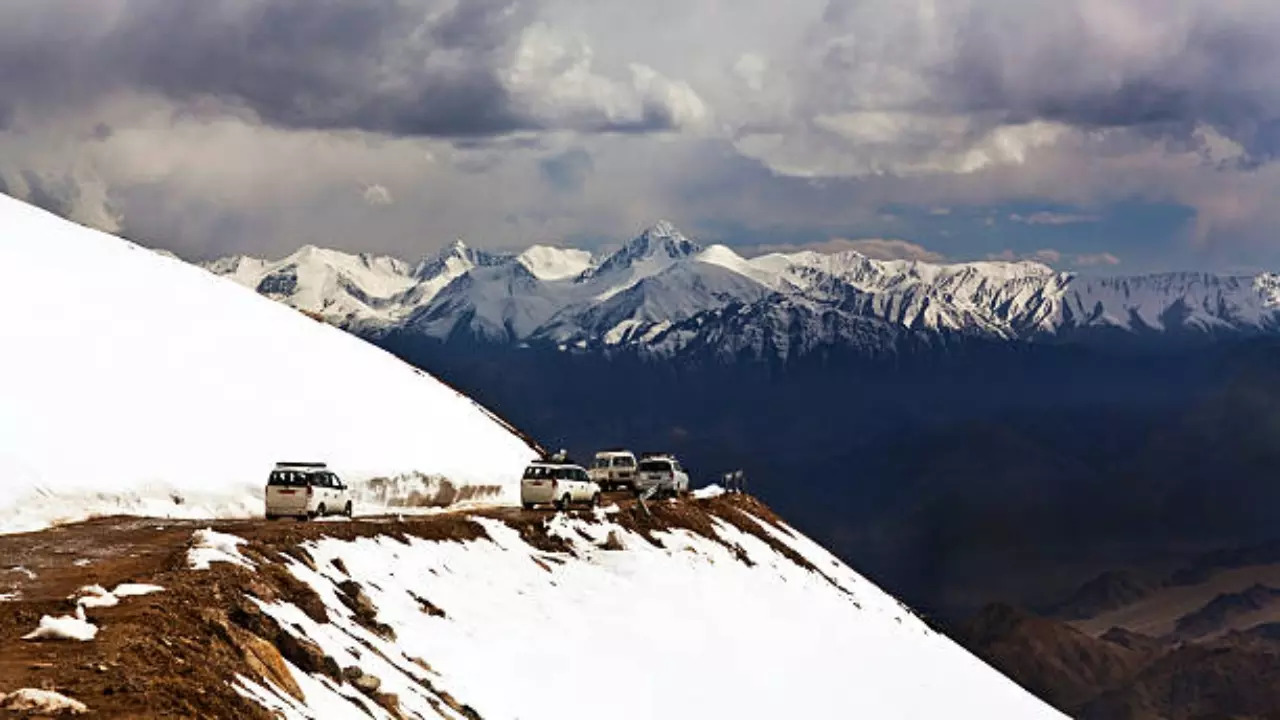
(614, 469)
(561, 484)
(662, 474)
(305, 490)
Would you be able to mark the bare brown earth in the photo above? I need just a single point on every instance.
(174, 654)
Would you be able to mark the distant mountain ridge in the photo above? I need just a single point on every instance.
(663, 294)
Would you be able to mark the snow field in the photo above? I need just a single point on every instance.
(136, 383)
(685, 630)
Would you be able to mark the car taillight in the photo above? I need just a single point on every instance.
(309, 489)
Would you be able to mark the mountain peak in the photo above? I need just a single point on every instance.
(455, 258)
(661, 229)
(659, 244)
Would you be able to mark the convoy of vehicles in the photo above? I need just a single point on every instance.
(557, 483)
(614, 469)
(305, 490)
(308, 490)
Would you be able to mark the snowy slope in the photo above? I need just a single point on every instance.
(718, 622)
(133, 382)
(636, 296)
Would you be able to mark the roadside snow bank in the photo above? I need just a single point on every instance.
(719, 622)
(136, 383)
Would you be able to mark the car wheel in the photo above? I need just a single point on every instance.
(273, 517)
(348, 510)
(564, 502)
(321, 511)
(595, 500)
(527, 506)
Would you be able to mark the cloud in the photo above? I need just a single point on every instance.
(1046, 256)
(377, 195)
(1049, 256)
(228, 125)
(414, 67)
(554, 77)
(567, 171)
(874, 248)
(1096, 259)
(1053, 218)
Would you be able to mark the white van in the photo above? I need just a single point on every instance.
(614, 469)
(305, 490)
(561, 484)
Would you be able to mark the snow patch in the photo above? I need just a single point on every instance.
(95, 596)
(31, 700)
(64, 627)
(209, 546)
(135, 589)
(708, 492)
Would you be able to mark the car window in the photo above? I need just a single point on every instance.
(286, 478)
(538, 472)
(655, 466)
(564, 473)
(625, 462)
(582, 474)
(335, 480)
(602, 462)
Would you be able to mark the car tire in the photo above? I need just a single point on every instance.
(321, 511)
(273, 517)
(595, 500)
(564, 502)
(527, 506)
(348, 510)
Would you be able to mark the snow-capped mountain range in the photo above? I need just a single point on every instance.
(662, 293)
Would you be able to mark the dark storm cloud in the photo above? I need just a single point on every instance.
(1159, 67)
(402, 68)
(1176, 66)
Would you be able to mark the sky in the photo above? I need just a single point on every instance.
(1109, 136)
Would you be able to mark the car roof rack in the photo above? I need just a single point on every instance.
(655, 455)
(302, 464)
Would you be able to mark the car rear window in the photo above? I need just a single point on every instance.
(623, 462)
(287, 478)
(539, 472)
(602, 462)
(655, 466)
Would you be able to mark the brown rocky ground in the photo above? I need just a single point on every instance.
(173, 654)
(1201, 643)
